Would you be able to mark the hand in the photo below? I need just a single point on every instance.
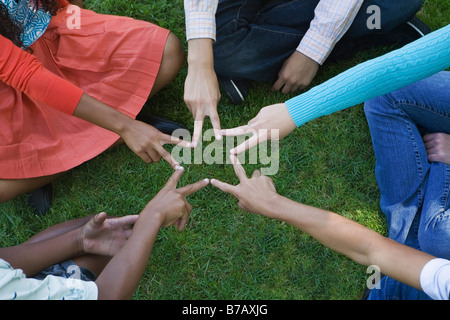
(256, 195)
(296, 73)
(104, 236)
(171, 202)
(438, 147)
(201, 89)
(147, 142)
(272, 122)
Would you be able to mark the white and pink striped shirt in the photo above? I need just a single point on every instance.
(332, 20)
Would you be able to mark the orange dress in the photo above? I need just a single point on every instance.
(113, 59)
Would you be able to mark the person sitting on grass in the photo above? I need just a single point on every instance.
(93, 257)
(403, 263)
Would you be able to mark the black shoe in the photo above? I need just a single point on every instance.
(163, 125)
(398, 37)
(418, 27)
(40, 200)
(408, 32)
(236, 90)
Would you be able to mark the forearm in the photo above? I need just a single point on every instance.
(200, 53)
(36, 256)
(331, 21)
(413, 62)
(96, 112)
(121, 276)
(355, 241)
(59, 229)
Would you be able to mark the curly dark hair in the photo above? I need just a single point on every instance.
(12, 29)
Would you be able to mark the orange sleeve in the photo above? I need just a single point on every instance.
(22, 71)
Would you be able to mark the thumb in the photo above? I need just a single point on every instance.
(100, 218)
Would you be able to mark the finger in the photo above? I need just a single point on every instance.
(286, 89)
(256, 174)
(100, 217)
(225, 187)
(215, 121)
(181, 223)
(174, 178)
(192, 188)
(175, 141)
(238, 169)
(238, 131)
(278, 84)
(167, 156)
(145, 157)
(198, 126)
(247, 144)
(128, 220)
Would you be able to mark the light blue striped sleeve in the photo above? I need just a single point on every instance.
(394, 70)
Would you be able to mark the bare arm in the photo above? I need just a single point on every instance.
(144, 140)
(201, 89)
(258, 195)
(123, 273)
(93, 235)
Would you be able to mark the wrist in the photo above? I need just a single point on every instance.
(79, 241)
(274, 207)
(152, 217)
(200, 53)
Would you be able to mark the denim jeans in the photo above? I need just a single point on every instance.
(255, 38)
(414, 192)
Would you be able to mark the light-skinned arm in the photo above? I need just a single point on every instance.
(258, 195)
(201, 89)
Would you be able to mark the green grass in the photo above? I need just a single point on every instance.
(225, 253)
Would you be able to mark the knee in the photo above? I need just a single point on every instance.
(5, 192)
(434, 236)
(173, 56)
(375, 106)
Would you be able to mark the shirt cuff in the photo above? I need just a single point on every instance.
(315, 46)
(200, 25)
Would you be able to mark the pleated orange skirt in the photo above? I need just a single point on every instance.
(113, 59)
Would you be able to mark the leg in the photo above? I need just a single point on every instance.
(253, 41)
(408, 182)
(10, 189)
(414, 193)
(392, 14)
(171, 63)
(401, 166)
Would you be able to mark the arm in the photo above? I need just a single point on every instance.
(70, 239)
(415, 61)
(201, 89)
(123, 273)
(258, 195)
(331, 21)
(23, 71)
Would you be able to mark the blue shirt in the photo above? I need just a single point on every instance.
(34, 21)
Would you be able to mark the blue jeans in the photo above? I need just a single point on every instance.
(414, 192)
(254, 38)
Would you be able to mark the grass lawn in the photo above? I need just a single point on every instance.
(225, 253)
